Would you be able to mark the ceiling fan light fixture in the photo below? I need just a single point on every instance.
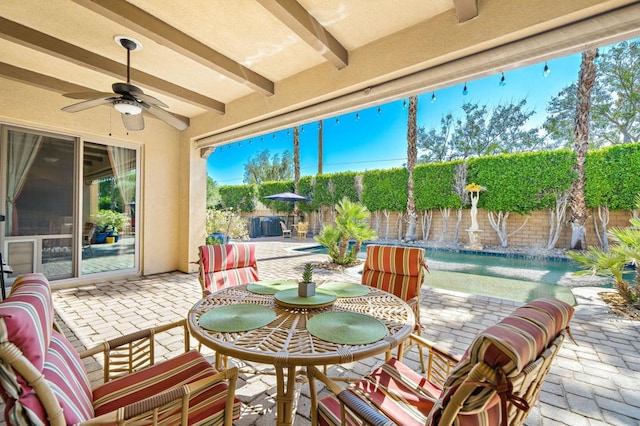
(127, 107)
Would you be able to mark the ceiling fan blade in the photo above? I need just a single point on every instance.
(150, 100)
(81, 106)
(167, 117)
(88, 95)
(133, 122)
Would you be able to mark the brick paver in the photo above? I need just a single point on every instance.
(595, 382)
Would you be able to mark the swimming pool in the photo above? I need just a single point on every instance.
(509, 276)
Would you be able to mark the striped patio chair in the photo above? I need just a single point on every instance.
(397, 270)
(226, 265)
(496, 381)
(44, 381)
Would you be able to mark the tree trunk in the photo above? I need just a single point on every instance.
(412, 158)
(296, 168)
(578, 218)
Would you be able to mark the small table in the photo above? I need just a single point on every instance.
(286, 343)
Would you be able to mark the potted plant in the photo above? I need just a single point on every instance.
(108, 225)
(224, 224)
(306, 287)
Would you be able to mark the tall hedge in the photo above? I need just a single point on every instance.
(239, 197)
(385, 190)
(517, 183)
(523, 182)
(613, 177)
(434, 186)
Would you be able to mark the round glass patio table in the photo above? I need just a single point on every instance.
(286, 343)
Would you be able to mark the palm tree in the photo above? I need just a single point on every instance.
(412, 157)
(351, 224)
(296, 167)
(586, 81)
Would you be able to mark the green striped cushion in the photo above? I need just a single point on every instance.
(183, 369)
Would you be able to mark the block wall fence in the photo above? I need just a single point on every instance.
(535, 232)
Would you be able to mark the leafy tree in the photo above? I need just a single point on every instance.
(481, 132)
(614, 117)
(213, 193)
(263, 167)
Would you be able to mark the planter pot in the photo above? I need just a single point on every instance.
(220, 237)
(306, 289)
(100, 237)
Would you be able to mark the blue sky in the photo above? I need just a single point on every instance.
(377, 140)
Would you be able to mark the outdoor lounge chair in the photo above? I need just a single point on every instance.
(285, 231)
(496, 381)
(226, 265)
(397, 270)
(44, 381)
(301, 230)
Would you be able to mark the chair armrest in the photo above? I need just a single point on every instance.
(171, 400)
(362, 409)
(439, 362)
(132, 352)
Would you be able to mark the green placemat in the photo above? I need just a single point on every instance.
(290, 298)
(346, 289)
(238, 317)
(270, 286)
(349, 328)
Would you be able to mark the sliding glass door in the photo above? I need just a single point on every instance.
(70, 205)
(108, 213)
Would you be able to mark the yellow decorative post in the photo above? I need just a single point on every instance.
(475, 233)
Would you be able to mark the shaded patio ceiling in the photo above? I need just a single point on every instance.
(239, 68)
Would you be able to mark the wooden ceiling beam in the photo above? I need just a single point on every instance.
(136, 19)
(466, 9)
(46, 82)
(33, 39)
(301, 22)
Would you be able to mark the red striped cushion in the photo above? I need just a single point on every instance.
(511, 344)
(65, 373)
(395, 269)
(183, 369)
(26, 317)
(227, 265)
(397, 391)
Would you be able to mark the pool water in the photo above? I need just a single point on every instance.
(514, 277)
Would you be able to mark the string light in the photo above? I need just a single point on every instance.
(261, 138)
(301, 129)
(465, 91)
(503, 81)
(379, 110)
(337, 121)
(546, 71)
(404, 104)
(250, 141)
(274, 135)
(357, 116)
(288, 132)
(433, 97)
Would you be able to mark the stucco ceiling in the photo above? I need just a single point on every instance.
(227, 64)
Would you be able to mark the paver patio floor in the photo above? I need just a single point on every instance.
(595, 382)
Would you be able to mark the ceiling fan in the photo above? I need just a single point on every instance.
(127, 99)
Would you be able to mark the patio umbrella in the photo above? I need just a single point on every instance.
(287, 196)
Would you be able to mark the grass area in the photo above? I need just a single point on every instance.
(504, 288)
